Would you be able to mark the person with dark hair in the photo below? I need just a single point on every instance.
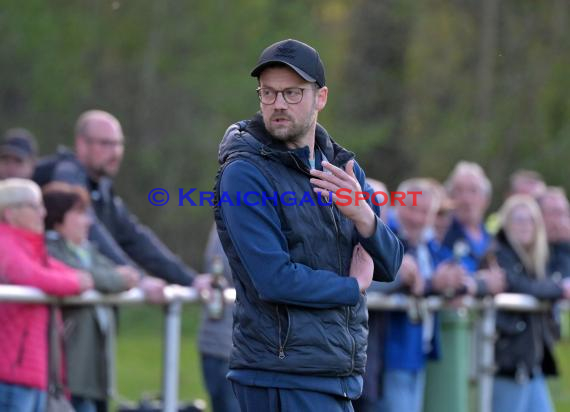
(24, 261)
(62, 197)
(88, 340)
(300, 270)
(18, 152)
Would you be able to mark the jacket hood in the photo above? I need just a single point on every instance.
(251, 136)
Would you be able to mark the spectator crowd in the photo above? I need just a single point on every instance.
(64, 230)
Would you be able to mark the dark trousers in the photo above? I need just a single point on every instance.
(255, 399)
(364, 405)
(214, 371)
(81, 404)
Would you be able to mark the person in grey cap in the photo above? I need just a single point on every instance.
(301, 260)
(18, 152)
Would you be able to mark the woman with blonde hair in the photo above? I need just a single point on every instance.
(524, 348)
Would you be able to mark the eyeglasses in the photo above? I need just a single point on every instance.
(35, 206)
(105, 143)
(291, 95)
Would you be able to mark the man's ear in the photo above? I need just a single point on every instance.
(322, 95)
(80, 147)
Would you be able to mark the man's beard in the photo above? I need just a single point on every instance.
(101, 171)
(291, 134)
(295, 131)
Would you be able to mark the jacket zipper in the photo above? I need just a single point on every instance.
(347, 309)
(337, 231)
(282, 344)
(302, 169)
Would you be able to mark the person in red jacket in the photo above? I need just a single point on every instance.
(24, 261)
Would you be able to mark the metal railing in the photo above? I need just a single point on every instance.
(176, 296)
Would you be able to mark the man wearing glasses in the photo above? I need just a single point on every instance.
(99, 149)
(300, 271)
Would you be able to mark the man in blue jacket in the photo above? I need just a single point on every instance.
(301, 252)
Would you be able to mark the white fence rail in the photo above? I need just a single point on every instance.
(176, 296)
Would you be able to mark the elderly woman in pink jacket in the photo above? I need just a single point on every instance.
(24, 331)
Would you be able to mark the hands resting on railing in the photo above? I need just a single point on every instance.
(376, 300)
(152, 287)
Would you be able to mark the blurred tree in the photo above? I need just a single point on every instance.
(373, 95)
(414, 86)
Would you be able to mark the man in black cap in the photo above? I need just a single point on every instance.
(18, 153)
(301, 262)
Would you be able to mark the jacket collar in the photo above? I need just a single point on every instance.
(267, 146)
(34, 241)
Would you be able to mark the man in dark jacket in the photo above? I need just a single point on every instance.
(301, 263)
(18, 151)
(99, 148)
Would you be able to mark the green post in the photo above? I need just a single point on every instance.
(447, 380)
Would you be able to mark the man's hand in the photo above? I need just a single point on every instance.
(330, 180)
(153, 289)
(129, 274)
(494, 278)
(203, 283)
(361, 267)
(411, 276)
(85, 280)
(448, 278)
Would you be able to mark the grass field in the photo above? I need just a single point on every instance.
(139, 354)
(139, 357)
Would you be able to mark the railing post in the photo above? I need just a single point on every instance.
(171, 355)
(487, 355)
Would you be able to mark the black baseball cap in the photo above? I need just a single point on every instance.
(20, 143)
(297, 55)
